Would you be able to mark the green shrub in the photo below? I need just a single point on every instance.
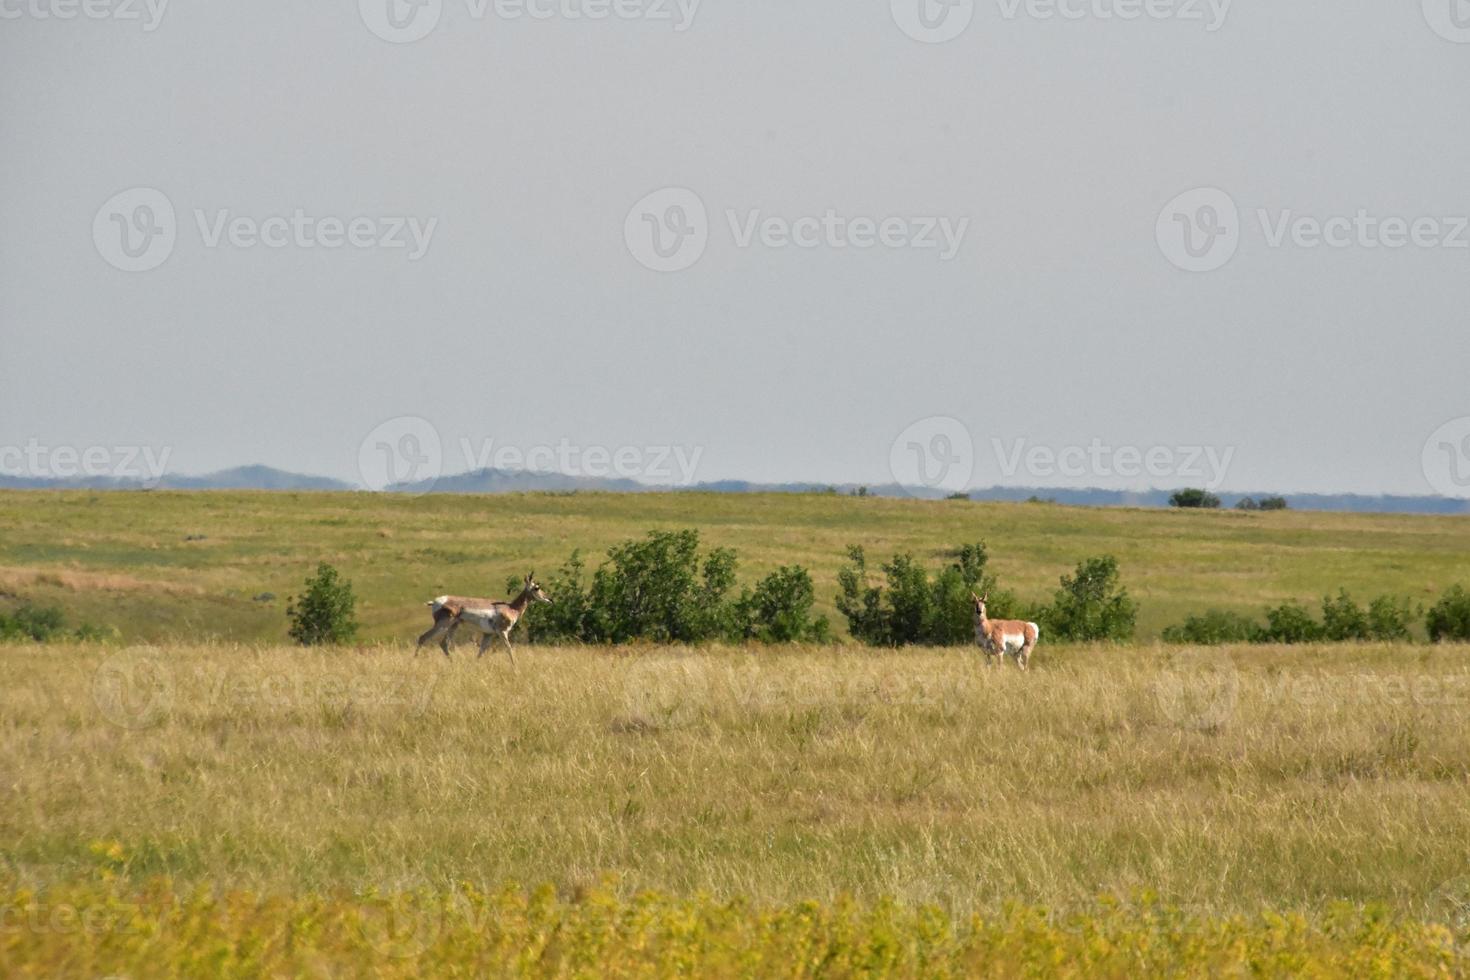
(1386, 618)
(652, 589)
(1449, 618)
(1273, 503)
(1389, 618)
(324, 612)
(1291, 622)
(46, 624)
(1343, 619)
(779, 610)
(1092, 604)
(39, 623)
(661, 589)
(569, 617)
(1213, 628)
(1247, 503)
(912, 608)
(1191, 498)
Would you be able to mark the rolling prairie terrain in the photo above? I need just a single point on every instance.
(179, 566)
(213, 800)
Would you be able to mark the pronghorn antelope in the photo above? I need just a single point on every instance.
(489, 617)
(996, 636)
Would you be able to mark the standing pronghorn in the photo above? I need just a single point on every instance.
(996, 636)
(489, 617)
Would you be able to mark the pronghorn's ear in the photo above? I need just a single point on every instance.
(974, 596)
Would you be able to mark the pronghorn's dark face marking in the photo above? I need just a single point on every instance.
(535, 591)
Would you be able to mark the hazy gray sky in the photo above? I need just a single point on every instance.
(1047, 147)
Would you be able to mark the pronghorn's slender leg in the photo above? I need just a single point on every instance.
(484, 645)
(428, 635)
(448, 637)
(508, 651)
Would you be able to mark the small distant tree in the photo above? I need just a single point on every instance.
(1449, 618)
(1194, 498)
(1092, 604)
(324, 612)
(1247, 503)
(958, 496)
(1273, 503)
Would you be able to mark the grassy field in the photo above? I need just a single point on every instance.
(195, 566)
(1233, 782)
(1225, 782)
(198, 797)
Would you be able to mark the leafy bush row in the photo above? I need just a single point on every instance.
(662, 589)
(909, 607)
(44, 624)
(1343, 620)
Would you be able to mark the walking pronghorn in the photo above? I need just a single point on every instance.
(489, 617)
(996, 636)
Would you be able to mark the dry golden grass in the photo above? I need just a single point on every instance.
(25, 579)
(1225, 781)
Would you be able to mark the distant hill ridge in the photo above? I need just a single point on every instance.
(492, 480)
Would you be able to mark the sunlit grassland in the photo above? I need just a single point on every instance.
(192, 566)
(1224, 782)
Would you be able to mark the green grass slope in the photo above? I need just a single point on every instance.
(198, 565)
